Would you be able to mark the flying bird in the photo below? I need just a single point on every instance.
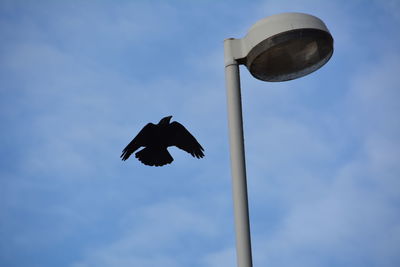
(155, 138)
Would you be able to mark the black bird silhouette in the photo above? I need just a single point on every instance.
(155, 138)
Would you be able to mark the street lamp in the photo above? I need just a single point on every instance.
(277, 48)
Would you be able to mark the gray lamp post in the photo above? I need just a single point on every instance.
(277, 48)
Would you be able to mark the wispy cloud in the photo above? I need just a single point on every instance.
(171, 231)
(80, 79)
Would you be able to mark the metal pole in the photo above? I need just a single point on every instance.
(240, 201)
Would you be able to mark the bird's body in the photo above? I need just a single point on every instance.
(155, 138)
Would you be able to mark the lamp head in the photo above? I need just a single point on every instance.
(286, 46)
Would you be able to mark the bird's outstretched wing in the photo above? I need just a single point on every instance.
(184, 140)
(142, 139)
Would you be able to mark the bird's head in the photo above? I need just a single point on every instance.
(165, 120)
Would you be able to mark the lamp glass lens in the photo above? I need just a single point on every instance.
(292, 58)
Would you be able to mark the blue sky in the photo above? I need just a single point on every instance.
(78, 79)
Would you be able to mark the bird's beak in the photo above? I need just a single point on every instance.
(165, 120)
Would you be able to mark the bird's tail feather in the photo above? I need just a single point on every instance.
(154, 156)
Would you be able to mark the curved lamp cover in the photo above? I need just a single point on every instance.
(286, 46)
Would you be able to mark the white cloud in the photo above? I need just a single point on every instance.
(157, 232)
(225, 257)
(323, 181)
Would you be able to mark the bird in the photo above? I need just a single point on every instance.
(156, 138)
